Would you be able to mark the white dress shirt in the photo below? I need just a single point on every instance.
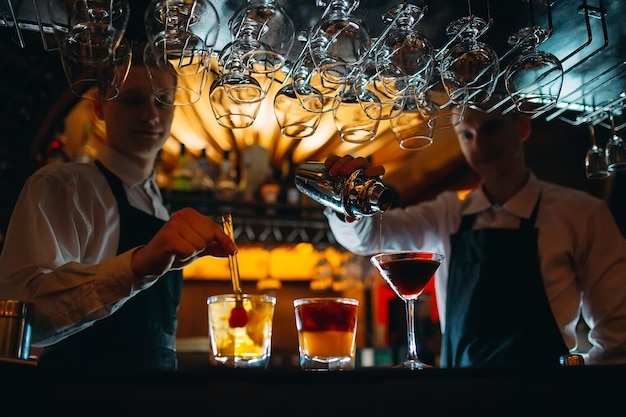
(60, 250)
(582, 255)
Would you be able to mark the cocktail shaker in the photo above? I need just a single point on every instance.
(356, 195)
(15, 328)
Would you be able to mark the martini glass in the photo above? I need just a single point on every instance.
(407, 273)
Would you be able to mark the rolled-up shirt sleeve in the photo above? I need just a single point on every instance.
(602, 266)
(60, 253)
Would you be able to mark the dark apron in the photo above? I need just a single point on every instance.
(497, 312)
(142, 333)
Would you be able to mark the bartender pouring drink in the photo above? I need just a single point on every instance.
(94, 248)
(524, 258)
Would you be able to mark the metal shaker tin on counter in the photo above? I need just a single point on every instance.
(15, 328)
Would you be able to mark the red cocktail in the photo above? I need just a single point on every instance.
(407, 273)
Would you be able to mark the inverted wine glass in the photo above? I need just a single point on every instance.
(534, 79)
(294, 120)
(595, 159)
(411, 128)
(353, 123)
(469, 68)
(408, 273)
(406, 57)
(374, 94)
(338, 41)
(615, 150)
(229, 113)
(181, 36)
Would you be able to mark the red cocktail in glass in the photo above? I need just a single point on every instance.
(407, 273)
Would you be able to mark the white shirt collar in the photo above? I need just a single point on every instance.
(125, 169)
(521, 204)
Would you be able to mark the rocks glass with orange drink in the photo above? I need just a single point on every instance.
(326, 332)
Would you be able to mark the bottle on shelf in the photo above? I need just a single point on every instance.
(227, 185)
(289, 193)
(202, 180)
(256, 162)
(270, 191)
(182, 174)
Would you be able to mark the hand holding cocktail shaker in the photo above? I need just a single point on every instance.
(356, 195)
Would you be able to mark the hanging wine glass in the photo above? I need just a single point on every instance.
(294, 120)
(229, 113)
(266, 32)
(469, 68)
(239, 83)
(308, 81)
(615, 149)
(374, 95)
(411, 128)
(107, 77)
(88, 34)
(534, 78)
(181, 36)
(188, 63)
(352, 122)
(595, 159)
(448, 113)
(263, 35)
(338, 41)
(88, 30)
(405, 56)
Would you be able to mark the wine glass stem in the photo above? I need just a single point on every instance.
(411, 354)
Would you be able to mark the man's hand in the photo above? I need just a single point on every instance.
(185, 237)
(346, 165)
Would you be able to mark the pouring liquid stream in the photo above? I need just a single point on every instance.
(238, 315)
(380, 231)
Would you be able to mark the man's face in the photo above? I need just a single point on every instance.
(492, 143)
(137, 124)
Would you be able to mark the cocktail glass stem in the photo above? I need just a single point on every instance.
(412, 361)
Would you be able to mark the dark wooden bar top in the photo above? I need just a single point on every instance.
(570, 391)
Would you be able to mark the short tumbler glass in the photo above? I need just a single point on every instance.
(326, 332)
(241, 347)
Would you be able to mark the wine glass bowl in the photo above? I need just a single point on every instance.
(181, 36)
(374, 94)
(595, 159)
(469, 69)
(407, 273)
(186, 58)
(616, 153)
(615, 149)
(230, 113)
(352, 122)
(338, 41)
(595, 163)
(405, 57)
(294, 120)
(411, 128)
(534, 79)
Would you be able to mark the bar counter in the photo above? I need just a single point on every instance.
(568, 391)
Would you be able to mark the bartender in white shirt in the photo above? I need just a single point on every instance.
(94, 248)
(523, 257)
